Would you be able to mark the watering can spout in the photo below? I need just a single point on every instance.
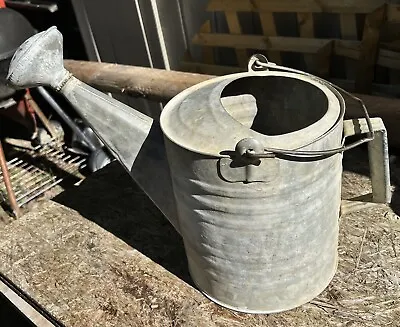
(133, 138)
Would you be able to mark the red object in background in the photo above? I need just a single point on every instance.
(2, 4)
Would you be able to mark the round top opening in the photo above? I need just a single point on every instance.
(274, 105)
(278, 109)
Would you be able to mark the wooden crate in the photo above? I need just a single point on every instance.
(359, 37)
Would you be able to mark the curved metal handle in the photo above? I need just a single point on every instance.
(378, 156)
(259, 62)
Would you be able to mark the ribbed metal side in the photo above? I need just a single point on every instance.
(259, 247)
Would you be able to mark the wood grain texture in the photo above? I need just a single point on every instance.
(102, 255)
(261, 42)
(235, 29)
(305, 23)
(334, 6)
(269, 29)
(369, 49)
(345, 48)
(207, 52)
(348, 31)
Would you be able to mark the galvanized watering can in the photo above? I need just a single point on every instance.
(247, 168)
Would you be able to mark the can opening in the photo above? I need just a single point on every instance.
(274, 105)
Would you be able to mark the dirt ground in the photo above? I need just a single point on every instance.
(107, 257)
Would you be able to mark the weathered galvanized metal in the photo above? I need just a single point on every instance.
(253, 176)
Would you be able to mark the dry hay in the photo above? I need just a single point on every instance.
(85, 276)
(365, 290)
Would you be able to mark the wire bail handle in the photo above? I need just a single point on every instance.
(259, 62)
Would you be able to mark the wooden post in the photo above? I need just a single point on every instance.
(305, 22)
(207, 52)
(235, 28)
(369, 50)
(348, 31)
(269, 29)
(323, 59)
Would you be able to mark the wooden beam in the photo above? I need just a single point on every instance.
(162, 85)
(345, 48)
(207, 52)
(318, 63)
(305, 21)
(369, 49)
(261, 42)
(235, 28)
(202, 68)
(390, 59)
(393, 13)
(323, 59)
(348, 31)
(332, 6)
(307, 6)
(269, 29)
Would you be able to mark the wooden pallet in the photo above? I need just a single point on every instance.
(361, 50)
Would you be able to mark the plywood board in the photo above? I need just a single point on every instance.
(102, 255)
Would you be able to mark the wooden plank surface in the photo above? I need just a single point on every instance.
(207, 52)
(323, 60)
(102, 255)
(269, 29)
(369, 50)
(318, 63)
(348, 31)
(234, 28)
(273, 43)
(390, 59)
(393, 12)
(384, 90)
(305, 6)
(334, 6)
(305, 23)
(202, 68)
(345, 48)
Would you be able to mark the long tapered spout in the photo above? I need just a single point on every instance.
(133, 138)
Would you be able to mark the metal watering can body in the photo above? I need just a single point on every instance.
(254, 193)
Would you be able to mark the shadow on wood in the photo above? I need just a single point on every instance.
(111, 199)
(356, 161)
